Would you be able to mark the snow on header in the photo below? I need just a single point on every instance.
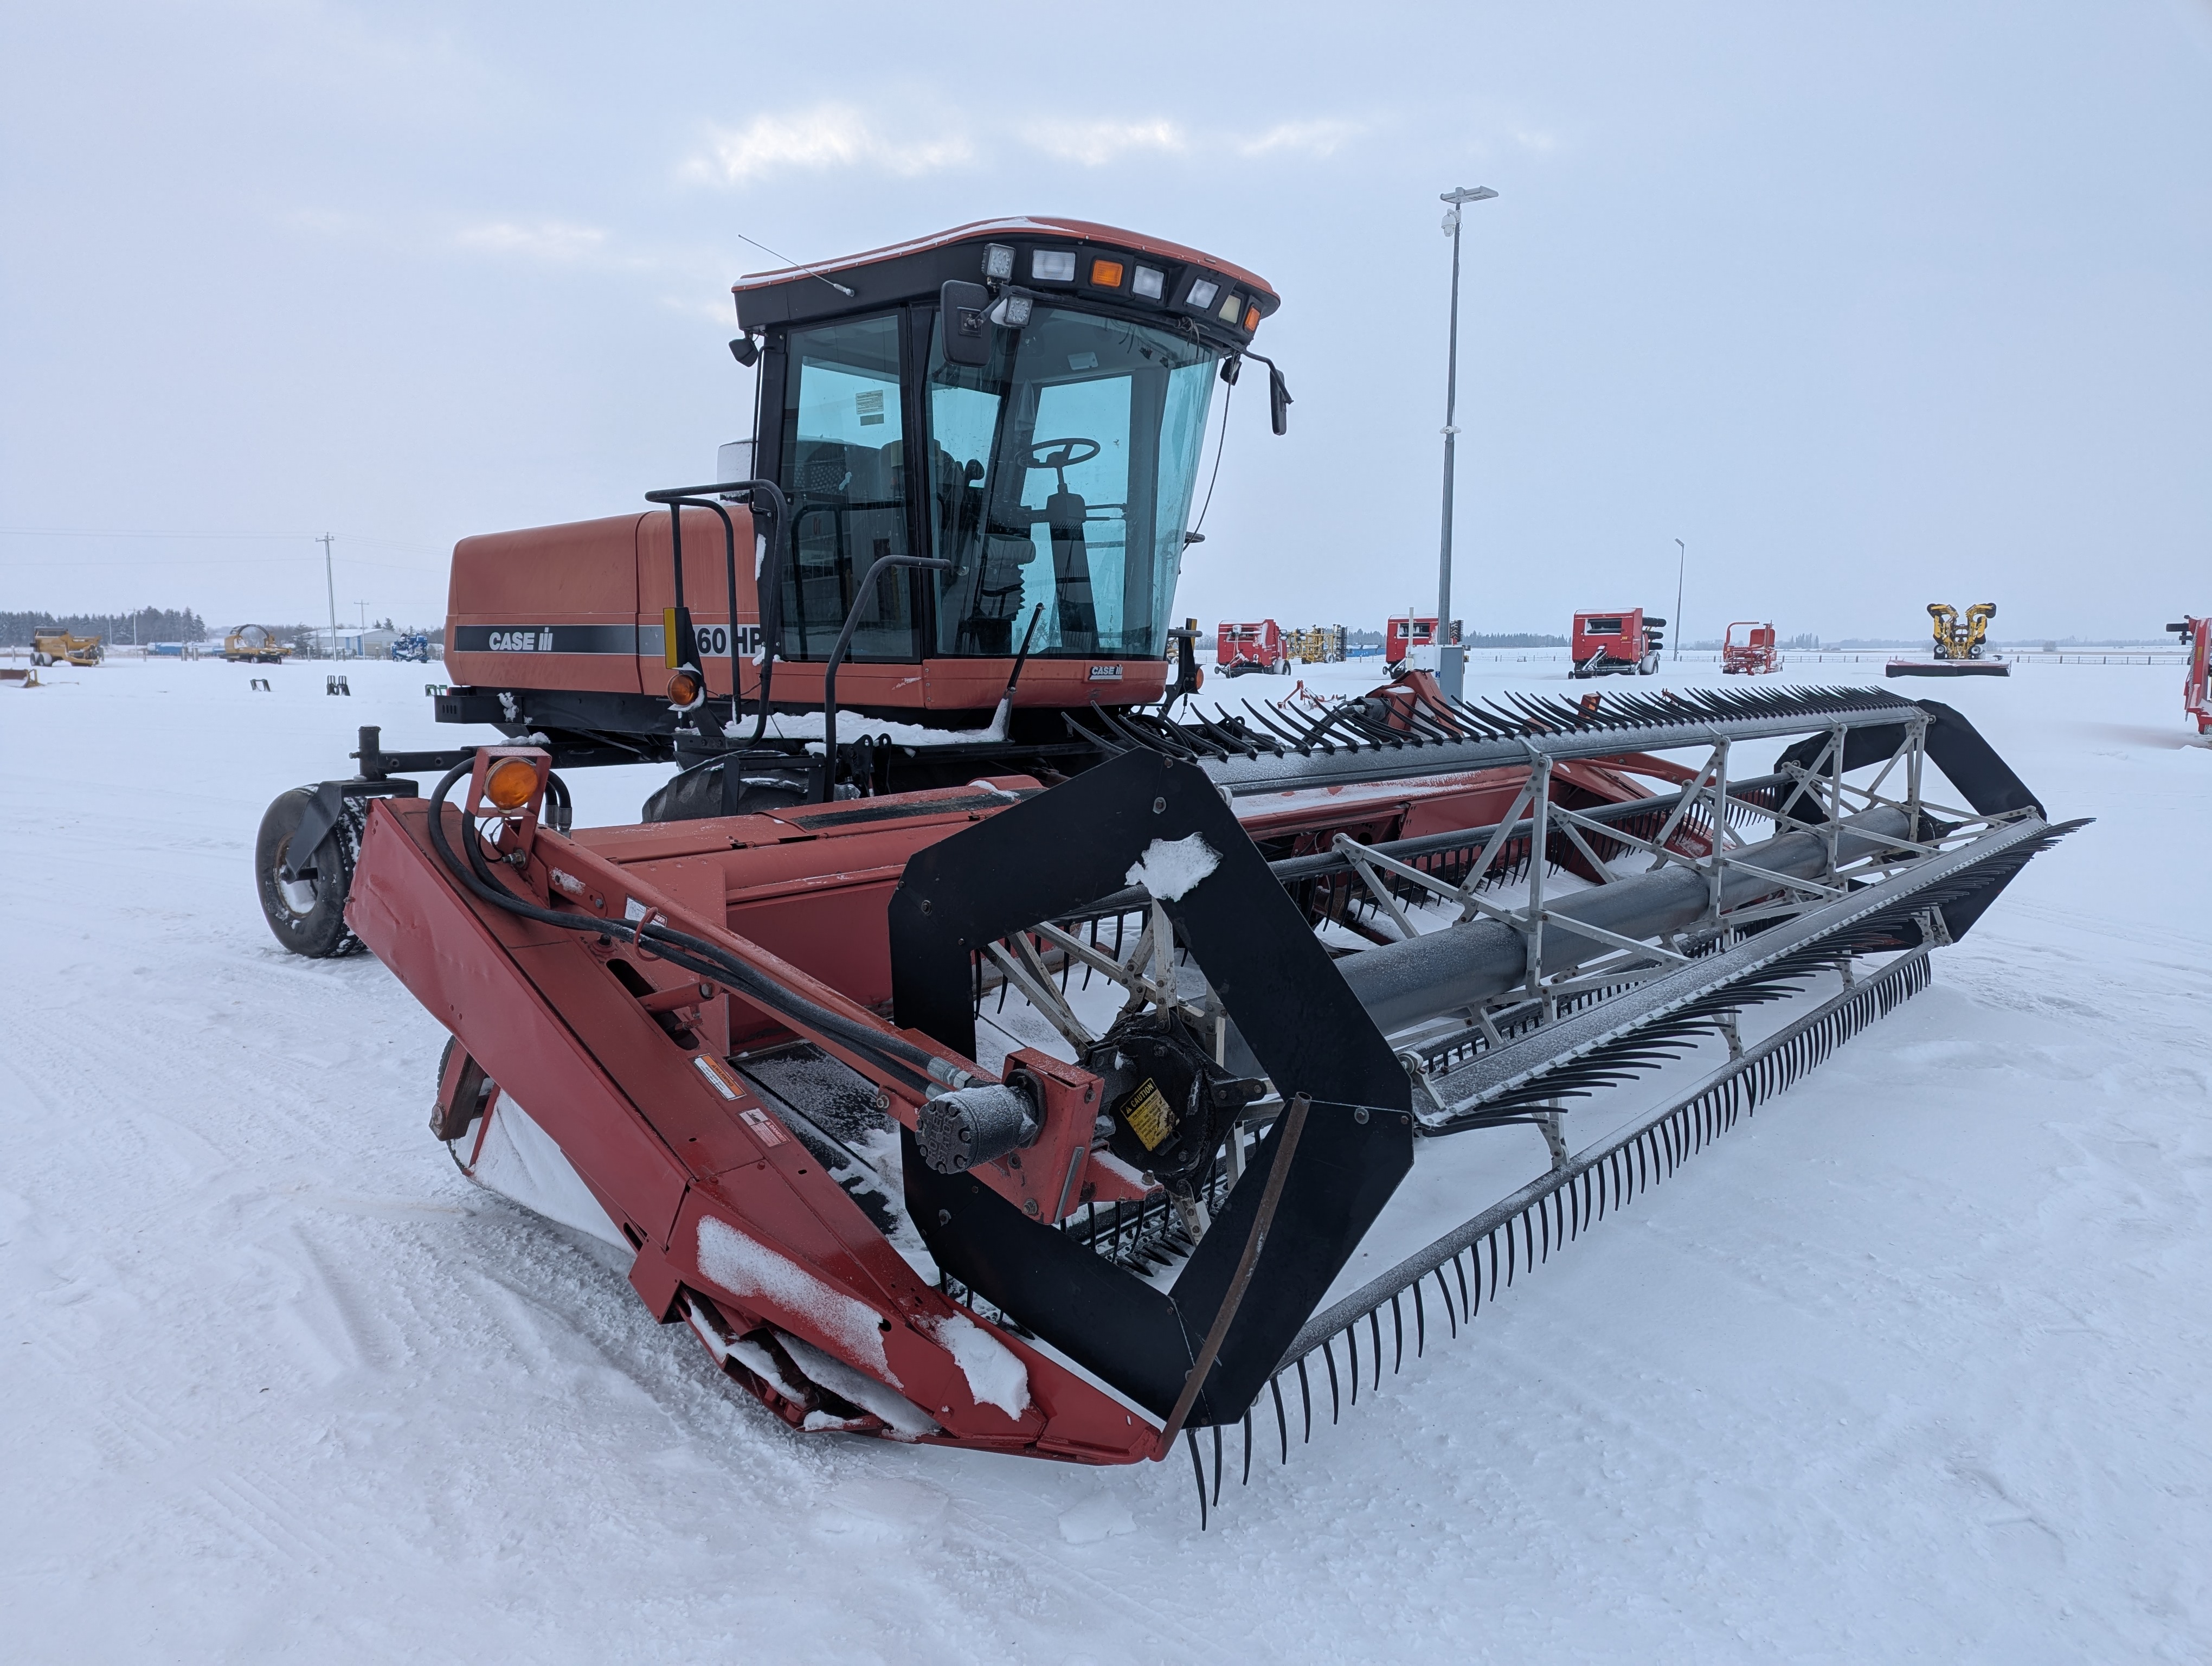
(995, 1374)
(743, 1266)
(1170, 868)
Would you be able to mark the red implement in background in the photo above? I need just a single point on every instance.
(1255, 645)
(1618, 644)
(2195, 634)
(1753, 653)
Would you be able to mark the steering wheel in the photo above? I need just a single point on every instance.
(1043, 456)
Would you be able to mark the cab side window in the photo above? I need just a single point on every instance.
(843, 470)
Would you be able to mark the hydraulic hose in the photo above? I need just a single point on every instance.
(896, 1056)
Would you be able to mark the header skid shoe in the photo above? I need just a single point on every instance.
(1050, 859)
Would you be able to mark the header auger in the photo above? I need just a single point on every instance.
(1027, 1072)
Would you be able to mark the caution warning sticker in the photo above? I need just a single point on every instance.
(1149, 1116)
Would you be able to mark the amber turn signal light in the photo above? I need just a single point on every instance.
(685, 690)
(511, 784)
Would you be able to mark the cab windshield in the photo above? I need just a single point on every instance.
(1060, 480)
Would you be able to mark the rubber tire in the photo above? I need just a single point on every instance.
(1648, 666)
(697, 796)
(321, 933)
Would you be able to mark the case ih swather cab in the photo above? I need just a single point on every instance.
(1025, 1071)
(1617, 644)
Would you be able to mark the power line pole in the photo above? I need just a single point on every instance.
(330, 584)
(1451, 667)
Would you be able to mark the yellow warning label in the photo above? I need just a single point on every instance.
(1148, 1117)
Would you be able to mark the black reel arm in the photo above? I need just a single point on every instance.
(1047, 860)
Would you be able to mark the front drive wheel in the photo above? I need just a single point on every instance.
(1650, 665)
(308, 914)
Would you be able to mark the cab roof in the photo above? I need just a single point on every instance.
(1190, 282)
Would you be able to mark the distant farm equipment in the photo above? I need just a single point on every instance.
(2195, 634)
(253, 644)
(57, 648)
(1243, 649)
(1404, 636)
(1961, 647)
(414, 646)
(1321, 645)
(1620, 644)
(1753, 653)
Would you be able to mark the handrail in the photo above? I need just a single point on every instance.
(937, 563)
(768, 580)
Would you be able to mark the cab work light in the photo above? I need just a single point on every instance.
(1150, 285)
(1228, 309)
(997, 262)
(1053, 265)
(1202, 293)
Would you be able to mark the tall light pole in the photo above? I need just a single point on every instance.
(331, 585)
(1451, 668)
(1681, 561)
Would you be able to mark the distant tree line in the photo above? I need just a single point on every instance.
(148, 624)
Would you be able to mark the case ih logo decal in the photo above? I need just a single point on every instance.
(626, 640)
(1105, 673)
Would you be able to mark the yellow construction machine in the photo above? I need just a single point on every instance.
(1961, 640)
(56, 648)
(253, 644)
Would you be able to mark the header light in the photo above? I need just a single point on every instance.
(511, 784)
(997, 262)
(1148, 283)
(1107, 274)
(1202, 293)
(1053, 265)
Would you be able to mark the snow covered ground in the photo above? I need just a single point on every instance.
(1913, 1363)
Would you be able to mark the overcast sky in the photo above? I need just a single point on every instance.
(1871, 304)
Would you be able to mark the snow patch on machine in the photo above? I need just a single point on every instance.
(1170, 868)
(901, 1414)
(995, 1374)
(745, 1266)
(519, 1160)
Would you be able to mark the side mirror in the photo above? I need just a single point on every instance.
(961, 324)
(1279, 401)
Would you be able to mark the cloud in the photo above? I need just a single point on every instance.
(545, 240)
(1095, 143)
(823, 137)
(1310, 138)
(828, 136)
